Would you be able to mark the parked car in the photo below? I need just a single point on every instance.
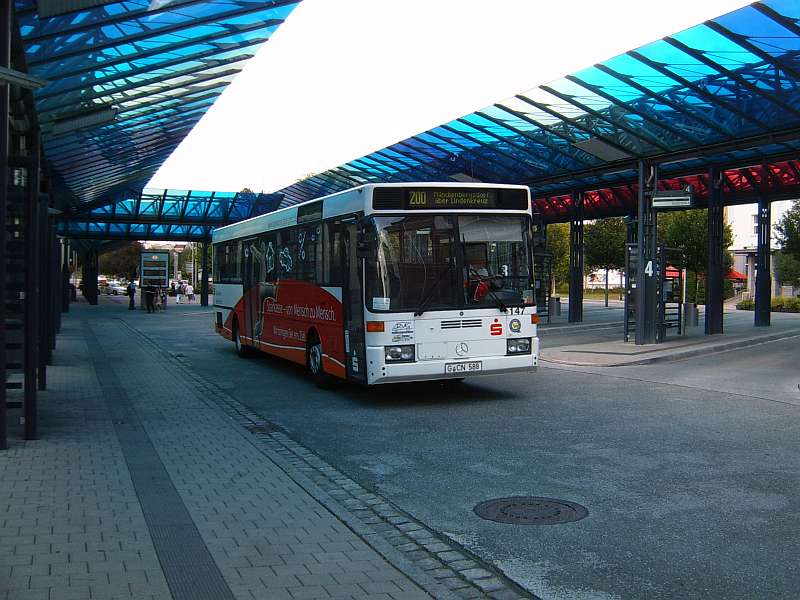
(115, 288)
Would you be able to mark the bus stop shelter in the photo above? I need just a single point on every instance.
(99, 94)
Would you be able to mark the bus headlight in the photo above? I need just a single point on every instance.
(396, 354)
(518, 346)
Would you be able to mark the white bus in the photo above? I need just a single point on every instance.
(385, 283)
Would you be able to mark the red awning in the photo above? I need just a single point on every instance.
(736, 275)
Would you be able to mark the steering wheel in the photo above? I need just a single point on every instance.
(497, 281)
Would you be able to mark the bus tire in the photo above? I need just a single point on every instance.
(241, 350)
(314, 363)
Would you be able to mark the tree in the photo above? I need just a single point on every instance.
(787, 268)
(123, 262)
(604, 245)
(687, 230)
(788, 230)
(558, 247)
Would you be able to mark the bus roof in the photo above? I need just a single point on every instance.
(346, 202)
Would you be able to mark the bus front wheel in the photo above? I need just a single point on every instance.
(315, 365)
(242, 350)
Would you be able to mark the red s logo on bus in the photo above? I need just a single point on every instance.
(496, 328)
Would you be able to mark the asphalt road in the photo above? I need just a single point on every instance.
(690, 470)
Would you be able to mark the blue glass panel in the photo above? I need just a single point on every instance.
(720, 49)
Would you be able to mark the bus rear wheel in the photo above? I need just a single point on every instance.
(315, 364)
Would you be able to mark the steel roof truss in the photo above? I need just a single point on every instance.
(652, 119)
(578, 125)
(732, 75)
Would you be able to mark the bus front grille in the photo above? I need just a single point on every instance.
(461, 324)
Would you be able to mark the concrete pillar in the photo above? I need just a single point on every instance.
(763, 270)
(716, 249)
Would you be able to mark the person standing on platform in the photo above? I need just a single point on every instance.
(131, 295)
(181, 291)
(150, 297)
(190, 292)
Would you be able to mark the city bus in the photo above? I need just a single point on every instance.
(385, 283)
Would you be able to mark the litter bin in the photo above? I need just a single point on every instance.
(555, 306)
(690, 314)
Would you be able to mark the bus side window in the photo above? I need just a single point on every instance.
(287, 254)
(308, 253)
(268, 244)
(334, 249)
(228, 261)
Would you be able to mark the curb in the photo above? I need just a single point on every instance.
(713, 349)
(546, 330)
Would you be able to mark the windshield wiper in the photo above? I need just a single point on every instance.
(429, 295)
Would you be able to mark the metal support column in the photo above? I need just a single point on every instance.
(647, 242)
(55, 278)
(763, 278)
(5, 61)
(34, 232)
(714, 278)
(576, 259)
(44, 290)
(90, 276)
(204, 276)
(65, 275)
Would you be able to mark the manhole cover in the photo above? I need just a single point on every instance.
(530, 510)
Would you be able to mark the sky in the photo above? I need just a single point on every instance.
(340, 79)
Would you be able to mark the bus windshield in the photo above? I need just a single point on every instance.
(446, 262)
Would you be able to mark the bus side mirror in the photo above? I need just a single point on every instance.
(366, 242)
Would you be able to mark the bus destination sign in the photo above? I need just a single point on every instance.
(443, 198)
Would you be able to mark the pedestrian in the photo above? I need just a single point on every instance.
(131, 295)
(190, 292)
(150, 297)
(181, 291)
(163, 294)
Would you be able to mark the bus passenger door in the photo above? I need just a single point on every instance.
(250, 291)
(353, 306)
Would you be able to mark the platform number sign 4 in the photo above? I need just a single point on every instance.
(648, 269)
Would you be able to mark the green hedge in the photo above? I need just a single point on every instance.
(779, 304)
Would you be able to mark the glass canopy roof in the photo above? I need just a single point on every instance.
(128, 80)
(169, 215)
(725, 93)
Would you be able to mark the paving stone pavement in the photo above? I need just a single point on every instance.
(71, 526)
(276, 521)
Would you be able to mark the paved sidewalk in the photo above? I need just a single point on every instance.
(739, 333)
(84, 513)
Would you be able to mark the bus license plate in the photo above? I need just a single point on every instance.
(463, 367)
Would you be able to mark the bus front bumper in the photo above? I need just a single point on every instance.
(428, 370)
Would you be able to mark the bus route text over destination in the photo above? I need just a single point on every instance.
(455, 198)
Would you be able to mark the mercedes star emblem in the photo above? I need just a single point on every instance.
(462, 349)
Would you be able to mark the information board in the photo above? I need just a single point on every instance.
(154, 268)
